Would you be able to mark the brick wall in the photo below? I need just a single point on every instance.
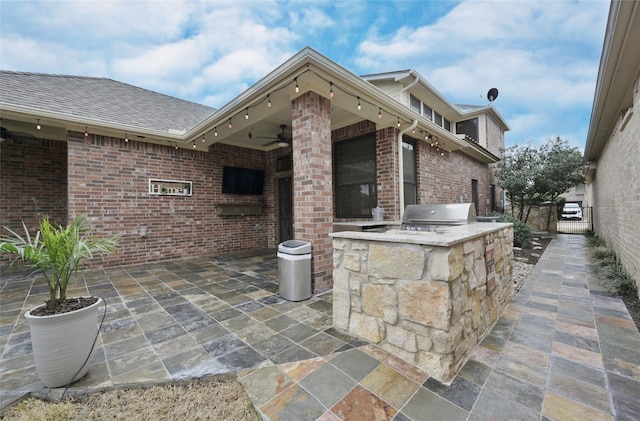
(108, 181)
(615, 191)
(313, 182)
(443, 179)
(33, 182)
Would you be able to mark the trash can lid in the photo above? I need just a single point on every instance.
(295, 247)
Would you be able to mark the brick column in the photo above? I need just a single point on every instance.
(313, 183)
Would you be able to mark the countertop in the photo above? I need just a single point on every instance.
(445, 236)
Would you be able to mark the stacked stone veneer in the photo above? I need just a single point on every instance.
(426, 304)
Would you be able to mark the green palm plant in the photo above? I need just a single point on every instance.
(57, 252)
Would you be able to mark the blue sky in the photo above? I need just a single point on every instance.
(542, 55)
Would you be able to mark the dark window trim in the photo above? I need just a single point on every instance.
(369, 136)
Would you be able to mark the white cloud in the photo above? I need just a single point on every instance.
(542, 56)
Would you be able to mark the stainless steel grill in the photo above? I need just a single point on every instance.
(429, 217)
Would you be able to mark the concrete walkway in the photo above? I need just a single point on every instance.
(564, 349)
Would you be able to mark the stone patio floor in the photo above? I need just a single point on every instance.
(564, 349)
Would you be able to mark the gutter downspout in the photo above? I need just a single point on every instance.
(401, 164)
(400, 158)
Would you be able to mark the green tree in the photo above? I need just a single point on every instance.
(561, 170)
(516, 175)
(531, 175)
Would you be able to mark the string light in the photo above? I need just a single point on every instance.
(86, 132)
(269, 100)
(398, 123)
(246, 113)
(379, 112)
(230, 125)
(194, 144)
(38, 125)
(297, 87)
(359, 106)
(126, 138)
(215, 131)
(203, 139)
(331, 89)
(176, 146)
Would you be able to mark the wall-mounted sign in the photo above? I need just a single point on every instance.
(158, 187)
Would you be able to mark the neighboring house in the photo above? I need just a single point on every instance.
(309, 145)
(612, 151)
(576, 195)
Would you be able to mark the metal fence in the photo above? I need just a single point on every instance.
(579, 224)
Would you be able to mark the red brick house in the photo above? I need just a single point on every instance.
(178, 179)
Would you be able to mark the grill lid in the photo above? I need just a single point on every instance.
(439, 214)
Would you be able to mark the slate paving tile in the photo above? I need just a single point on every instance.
(461, 392)
(294, 404)
(557, 407)
(621, 361)
(579, 391)
(577, 341)
(491, 403)
(578, 371)
(475, 372)
(519, 391)
(316, 383)
(390, 385)
(355, 363)
(426, 402)
(272, 345)
(298, 332)
(165, 333)
(293, 353)
(240, 358)
(280, 323)
(322, 344)
(264, 384)
(223, 345)
(360, 404)
(532, 340)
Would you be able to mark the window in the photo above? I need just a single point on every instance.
(437, 118)
(468, 127)
(356, 191)
(427, 112)
(409, 172)
(414, 104)
(447, 125)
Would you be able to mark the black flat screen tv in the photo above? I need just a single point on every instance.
(237, 180)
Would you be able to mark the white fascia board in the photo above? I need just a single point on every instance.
(78, 123)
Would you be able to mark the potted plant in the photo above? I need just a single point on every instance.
(63, 330)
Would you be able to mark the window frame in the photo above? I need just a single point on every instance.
(372, 184)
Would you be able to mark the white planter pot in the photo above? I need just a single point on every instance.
(62, 343)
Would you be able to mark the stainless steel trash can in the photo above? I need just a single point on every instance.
(294, 270)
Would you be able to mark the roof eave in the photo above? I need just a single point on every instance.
(619, 67)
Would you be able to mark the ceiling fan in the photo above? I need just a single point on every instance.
(15, 135)
(281, 139)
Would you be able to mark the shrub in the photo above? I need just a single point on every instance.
(609, 269)
(521, 231)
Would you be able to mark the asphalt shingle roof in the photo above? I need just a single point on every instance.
(100, 99)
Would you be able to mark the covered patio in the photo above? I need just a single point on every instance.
(176, 319)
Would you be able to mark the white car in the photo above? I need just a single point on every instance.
(571, 211)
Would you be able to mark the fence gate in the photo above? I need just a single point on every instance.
(576, 222)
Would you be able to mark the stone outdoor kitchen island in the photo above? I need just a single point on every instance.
(427, 297)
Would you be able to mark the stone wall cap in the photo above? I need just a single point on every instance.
(445, 237)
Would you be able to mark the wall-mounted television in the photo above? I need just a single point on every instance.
(236, 180)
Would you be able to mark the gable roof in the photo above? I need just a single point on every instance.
(101, 100)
